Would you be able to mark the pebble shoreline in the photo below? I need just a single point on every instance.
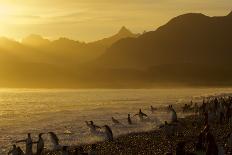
(155, 143)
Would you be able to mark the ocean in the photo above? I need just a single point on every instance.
(65, 111)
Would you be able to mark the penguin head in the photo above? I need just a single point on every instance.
(14, 146)
(41, 134)
(166, 123)
(29, 134)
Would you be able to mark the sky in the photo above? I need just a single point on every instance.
(89, 20)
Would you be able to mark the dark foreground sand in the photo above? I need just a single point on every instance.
(154, 142)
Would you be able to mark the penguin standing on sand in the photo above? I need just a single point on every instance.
(40, 144)
(29, 144)
(108, 132)
(65, 150)
(169, 129)
(211, 146)
(129, 119)
(180, 148)
(229, 139)
(55, 141)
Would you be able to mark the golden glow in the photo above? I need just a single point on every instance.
(94, 19)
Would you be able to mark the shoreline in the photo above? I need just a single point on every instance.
(153, 142)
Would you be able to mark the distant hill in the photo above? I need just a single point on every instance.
(71, 51)
(189, 38)
(35, 41)
(190, 50)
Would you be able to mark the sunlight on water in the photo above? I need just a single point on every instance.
(35, 111)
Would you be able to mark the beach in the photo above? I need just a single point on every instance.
(154, 142)
(141, 137)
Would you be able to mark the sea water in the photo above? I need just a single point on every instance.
(65, 111)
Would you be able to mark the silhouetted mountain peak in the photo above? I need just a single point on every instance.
(193, 17)
(124, 30)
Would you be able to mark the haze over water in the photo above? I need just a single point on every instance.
(43, 110)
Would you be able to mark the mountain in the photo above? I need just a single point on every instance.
(122, 33)
(189, 50)
(35, 40)
(189, 38)
(71, 51)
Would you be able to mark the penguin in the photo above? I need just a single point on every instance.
(65, 150)
(14, 151)
(141, 115)
(180, 148)
(29, 144)
(115, 121)
(200, 144)
(173, 114)
(108, 133)
(211, 146)
(92, 127)
(129, 119)
(153, 109)
(40, 145)
(168, 129)
(20, 151)
(229, 139)
(55, 141)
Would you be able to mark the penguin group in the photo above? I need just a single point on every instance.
(28, 146)
(212, 110)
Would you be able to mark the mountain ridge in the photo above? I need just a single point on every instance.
(185, 38)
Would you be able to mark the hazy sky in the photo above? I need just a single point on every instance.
(88, 20)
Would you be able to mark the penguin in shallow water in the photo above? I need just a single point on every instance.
(108, 133)
(55, 141)
(129, 119)
(29, 144)
(153, 109)
(141, 115)
(115, 121)
(93, 128)
(40, 144)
